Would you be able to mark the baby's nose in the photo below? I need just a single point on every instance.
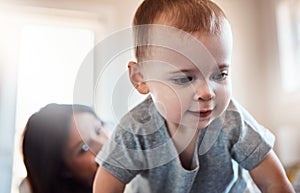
(203, 91)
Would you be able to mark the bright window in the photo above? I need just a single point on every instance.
(288, 19)
(49, 62)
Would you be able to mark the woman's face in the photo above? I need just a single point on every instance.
(84, 143)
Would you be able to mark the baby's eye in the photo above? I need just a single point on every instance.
(182, 80)
(220, 76)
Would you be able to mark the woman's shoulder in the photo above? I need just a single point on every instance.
(24, 186)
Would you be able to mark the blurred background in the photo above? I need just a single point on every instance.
(44, 44)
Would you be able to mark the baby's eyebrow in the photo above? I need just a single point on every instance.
(185, 71)
(192, 70)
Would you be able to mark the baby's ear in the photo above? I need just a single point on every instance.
(136, 78)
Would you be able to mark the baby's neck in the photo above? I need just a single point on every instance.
(185, 140)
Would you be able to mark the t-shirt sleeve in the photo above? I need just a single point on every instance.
(139, 138)
(252, 141)
(119, 156)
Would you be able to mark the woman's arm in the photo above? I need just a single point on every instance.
(105, 182)
(270, 176)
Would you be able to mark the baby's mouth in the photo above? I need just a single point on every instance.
(202, 113)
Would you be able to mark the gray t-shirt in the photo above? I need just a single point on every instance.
(142, 149)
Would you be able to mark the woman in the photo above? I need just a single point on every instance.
(59, 147)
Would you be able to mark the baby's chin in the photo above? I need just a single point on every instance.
(192, 125)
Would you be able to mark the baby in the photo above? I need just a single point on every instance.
(189, 135)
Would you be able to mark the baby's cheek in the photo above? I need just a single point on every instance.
(170, 109)
(169, 100)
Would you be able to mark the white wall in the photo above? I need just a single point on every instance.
(8, 73)
(283, 107)
(9, 49)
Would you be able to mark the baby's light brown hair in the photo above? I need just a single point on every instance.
(201, 16)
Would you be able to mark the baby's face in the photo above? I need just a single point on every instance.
(191, 90)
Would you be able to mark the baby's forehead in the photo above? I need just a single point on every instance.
(163, 59)
(180, 48)
(167, 43)
(161, 55)
(172, 37)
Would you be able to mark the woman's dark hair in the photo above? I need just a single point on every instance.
(45, 137)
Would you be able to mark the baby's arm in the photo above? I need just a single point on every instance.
(270, 176)
(105, 182)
